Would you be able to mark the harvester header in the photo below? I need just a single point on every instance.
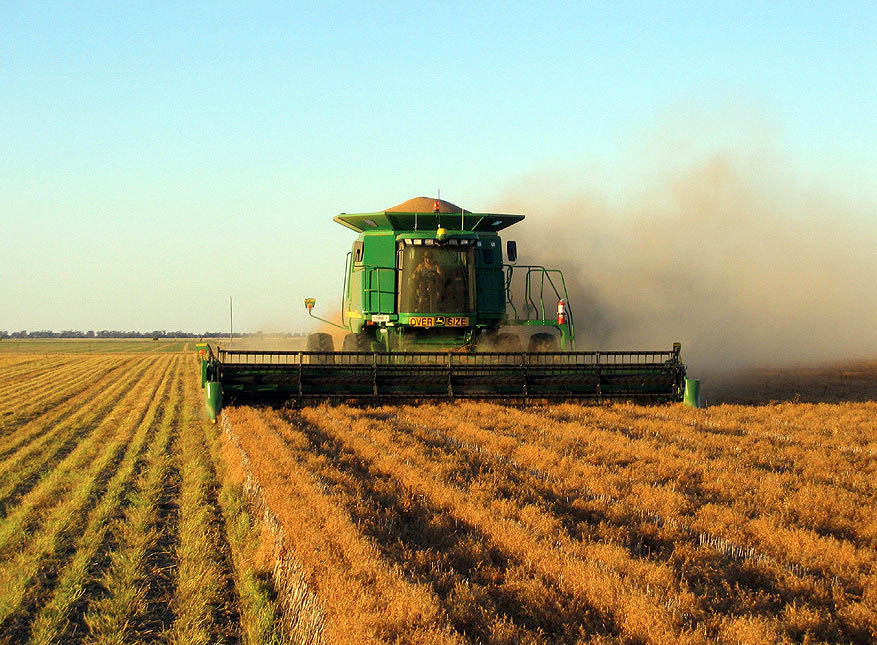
(433, 306)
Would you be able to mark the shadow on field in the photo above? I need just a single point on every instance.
(848, 382)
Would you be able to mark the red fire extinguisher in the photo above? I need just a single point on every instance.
(561, 312)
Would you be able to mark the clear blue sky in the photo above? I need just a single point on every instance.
(155, 158)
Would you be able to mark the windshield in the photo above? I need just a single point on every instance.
(436, 279)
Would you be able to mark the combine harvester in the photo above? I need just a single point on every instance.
(429, 313)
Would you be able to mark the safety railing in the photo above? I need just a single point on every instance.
(306, 375)
(474, 359)
(552, 278)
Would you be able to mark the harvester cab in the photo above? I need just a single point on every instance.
(431, 309)
(427, 275)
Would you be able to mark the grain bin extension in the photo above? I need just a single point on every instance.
(431, 311)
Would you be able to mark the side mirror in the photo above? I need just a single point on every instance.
(511, 251)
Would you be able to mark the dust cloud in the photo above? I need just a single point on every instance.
(730, 256)
(336, 333)
(269, 342)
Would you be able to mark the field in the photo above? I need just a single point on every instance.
(126, 517)
(95, 346)
(119, 523)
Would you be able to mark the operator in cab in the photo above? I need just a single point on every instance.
(427, 280)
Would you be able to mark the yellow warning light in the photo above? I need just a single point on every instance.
(441, 233)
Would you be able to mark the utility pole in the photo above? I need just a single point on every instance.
(230, 321)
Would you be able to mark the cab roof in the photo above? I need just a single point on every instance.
(426, 214)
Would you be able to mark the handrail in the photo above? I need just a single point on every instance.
(546, 274)
(345, 294)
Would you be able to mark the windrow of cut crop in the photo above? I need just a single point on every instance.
(204, 606)
(276, 604)
(13, 362)
(28, 576)
(62, 616)
(365, 598)
(116, 599)
(40, 444)
(41, 491)
(487, 594)
(17, 367)
(615, 484)
(16, 382)
(51, 391)
(602, 574)
(44, 377)
(17, 432)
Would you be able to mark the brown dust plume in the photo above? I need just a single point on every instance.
(734, 259)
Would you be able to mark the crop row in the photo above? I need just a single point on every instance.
(120, 523)
(660, 544)
(530, 526)
(48, 391)
(48, 349)
(676, 473)
(633, 503)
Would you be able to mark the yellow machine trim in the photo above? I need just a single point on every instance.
(439, 321)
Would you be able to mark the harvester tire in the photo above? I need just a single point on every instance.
(543, 343)
(507, 342)
(320, 342)
(356, 343)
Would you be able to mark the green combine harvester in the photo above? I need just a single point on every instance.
(431, 310)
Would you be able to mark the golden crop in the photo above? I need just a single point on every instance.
(125, 517)
(478, 522)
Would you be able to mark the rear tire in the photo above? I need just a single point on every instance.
(320, 342)
(543, 343)
(507, 342)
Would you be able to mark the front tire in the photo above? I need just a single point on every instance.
(320, 342)
(357, 343)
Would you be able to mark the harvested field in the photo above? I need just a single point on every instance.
(119, 521)
(92, 346)
(126, 517)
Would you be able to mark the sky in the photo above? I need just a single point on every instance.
(157, 158)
